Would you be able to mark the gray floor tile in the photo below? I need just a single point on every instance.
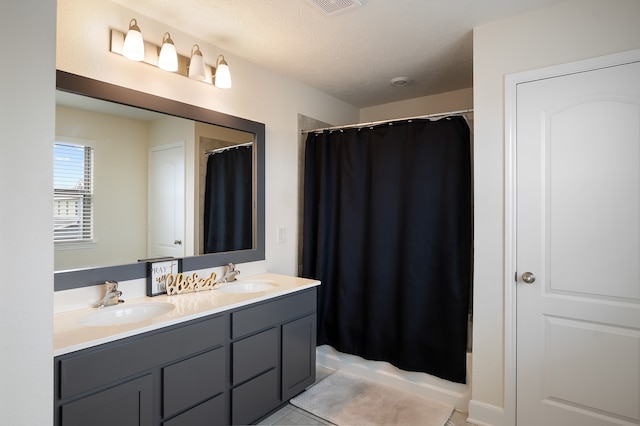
(298, 417)
(275, 417)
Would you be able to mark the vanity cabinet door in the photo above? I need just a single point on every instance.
(128, 404)
(298, 356)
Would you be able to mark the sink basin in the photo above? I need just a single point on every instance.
(246, 286)
(125, 314)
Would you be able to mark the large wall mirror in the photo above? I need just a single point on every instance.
(140, 177)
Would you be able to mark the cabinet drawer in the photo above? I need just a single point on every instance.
(255, 398)
(193, 380)
(95, 367)
(254, 355)
(209, 413)
(272, 312)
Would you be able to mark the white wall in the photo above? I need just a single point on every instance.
(456, 100)
(258, 94)
(27, 99)
(569, 31)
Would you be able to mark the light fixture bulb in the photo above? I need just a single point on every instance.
(222, 77)
(168, 58)
(196, 65)
(133, 47)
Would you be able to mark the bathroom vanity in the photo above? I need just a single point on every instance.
(216, 359)
(211, 357)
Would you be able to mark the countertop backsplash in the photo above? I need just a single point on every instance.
(83, 297)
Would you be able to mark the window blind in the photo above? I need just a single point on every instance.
(72, 193)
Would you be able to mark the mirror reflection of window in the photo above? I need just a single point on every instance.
(73, 193)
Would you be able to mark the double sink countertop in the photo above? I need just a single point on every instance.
(70, 335)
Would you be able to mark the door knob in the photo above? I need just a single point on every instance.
(177, 242)
(528, 277)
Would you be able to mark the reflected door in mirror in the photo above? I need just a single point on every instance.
(166, 201)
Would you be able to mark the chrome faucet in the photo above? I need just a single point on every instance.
(230, 273)
(111, 297)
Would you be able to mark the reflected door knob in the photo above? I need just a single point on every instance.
(528, 277)
(177, 242)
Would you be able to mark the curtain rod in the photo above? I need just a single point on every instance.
(224, 148)
(374, 123)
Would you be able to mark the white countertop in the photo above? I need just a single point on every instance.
(69, 336)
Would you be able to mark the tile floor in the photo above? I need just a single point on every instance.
(294, 416)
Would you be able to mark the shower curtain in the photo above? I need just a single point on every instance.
(228, 201)
(387, 228)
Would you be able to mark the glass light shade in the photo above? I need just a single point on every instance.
(168, 59)
(223, 76)
(133, 47)
(196, 65)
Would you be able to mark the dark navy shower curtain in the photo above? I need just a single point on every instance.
(387, 228)
(228, 201)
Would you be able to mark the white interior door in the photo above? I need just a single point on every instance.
(166, 201)
(578, 234)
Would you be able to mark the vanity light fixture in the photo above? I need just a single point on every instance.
(168, 58)
(133, 47)
(221, 74)
(196, 65)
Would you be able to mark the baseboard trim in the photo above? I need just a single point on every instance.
(485, 414)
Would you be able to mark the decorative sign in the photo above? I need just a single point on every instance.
(158, 273)
(179, 283)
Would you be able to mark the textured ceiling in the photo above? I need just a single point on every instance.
(351, 55)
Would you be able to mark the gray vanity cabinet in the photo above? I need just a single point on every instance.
(229, 368)
(146, 379)
(273, 352)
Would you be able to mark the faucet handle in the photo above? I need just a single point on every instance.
(111, 295)
(112, 286)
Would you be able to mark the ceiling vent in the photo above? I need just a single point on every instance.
(334, 7)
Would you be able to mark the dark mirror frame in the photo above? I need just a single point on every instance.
(80, 85)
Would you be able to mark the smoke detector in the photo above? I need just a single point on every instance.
(400, 81)
(334, 7)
